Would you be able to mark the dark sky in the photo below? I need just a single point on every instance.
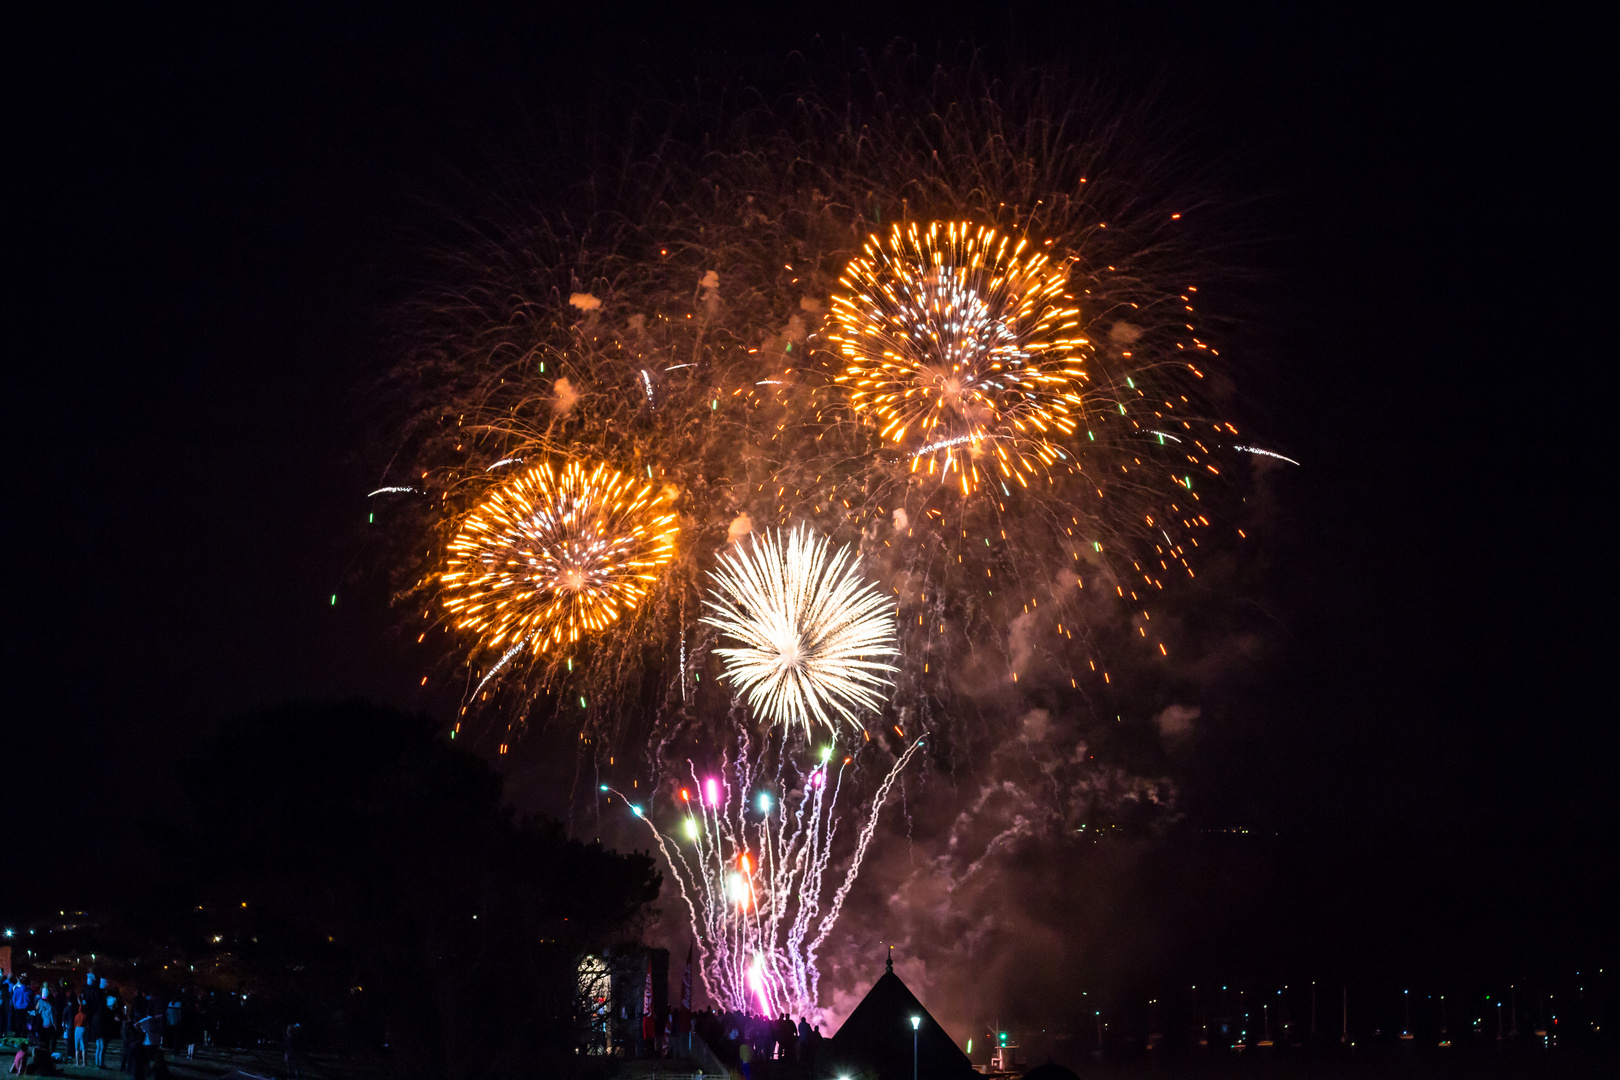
(209, 217)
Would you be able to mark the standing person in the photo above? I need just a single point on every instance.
(46, 1013)
(172, 1015)
(19, 1004)
(290, 1049)
(787, 1037)
(148, 1033)
(98, 1028)
(766, 1034)
(79, 1021)
(126, 1053)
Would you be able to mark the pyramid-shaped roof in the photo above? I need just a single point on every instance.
(875, 1043)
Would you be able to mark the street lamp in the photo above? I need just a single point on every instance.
(916, 1022)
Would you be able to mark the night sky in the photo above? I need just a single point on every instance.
(209, 223)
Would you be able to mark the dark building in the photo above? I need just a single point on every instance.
(612, 987)
(876, 1042)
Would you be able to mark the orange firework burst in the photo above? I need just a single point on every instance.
(554, 554)
(964, 348)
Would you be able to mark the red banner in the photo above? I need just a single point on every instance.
(686, 981)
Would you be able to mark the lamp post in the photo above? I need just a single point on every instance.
(916, 1022)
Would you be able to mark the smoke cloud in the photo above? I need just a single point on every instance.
(563, 396)
(1175, 723)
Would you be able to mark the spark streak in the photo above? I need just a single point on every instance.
(753, 872)
(1266, 453)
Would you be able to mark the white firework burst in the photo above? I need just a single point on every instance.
(814, 631)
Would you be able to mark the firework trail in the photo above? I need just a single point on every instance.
(751, 854)
(810, 626)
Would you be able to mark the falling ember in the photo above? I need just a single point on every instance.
(962, 348)
(554, 554)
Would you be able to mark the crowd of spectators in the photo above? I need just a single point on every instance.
(740, 1038)
(51, 1023)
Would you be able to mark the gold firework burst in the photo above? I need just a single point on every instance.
(964, 348)
(554, 554)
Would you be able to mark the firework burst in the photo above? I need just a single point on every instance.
(961, 345)
(721, 322)
(812, 629)
(555, 554)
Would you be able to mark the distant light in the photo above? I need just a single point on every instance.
(711, 791)
(636, 810)
(604, 787)
(691, 829)
(916, 1022)
(970, 1046)
(764, 802)
(10, 932)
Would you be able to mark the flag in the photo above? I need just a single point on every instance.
(647, 1003)
(686, 980)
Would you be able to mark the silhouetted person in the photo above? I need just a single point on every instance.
(46, 1012)
(98, 1030)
